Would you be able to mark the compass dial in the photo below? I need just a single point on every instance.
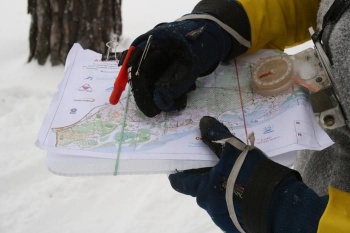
(272, 75)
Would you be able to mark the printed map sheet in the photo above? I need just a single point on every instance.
(81, 122)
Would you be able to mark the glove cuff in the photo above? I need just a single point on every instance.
(258, 194)
(232, 14)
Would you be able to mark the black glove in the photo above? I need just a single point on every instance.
(165, 69)
(209, 185)
(264, 196)
(179, 53)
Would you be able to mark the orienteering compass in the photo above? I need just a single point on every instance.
(272, 75)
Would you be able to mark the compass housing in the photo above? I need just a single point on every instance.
(272, 75)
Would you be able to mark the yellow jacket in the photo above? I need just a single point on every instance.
(277, 24)
(336, 217)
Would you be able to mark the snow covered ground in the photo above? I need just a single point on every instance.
(32, 200)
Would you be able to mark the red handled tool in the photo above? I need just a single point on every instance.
(121, 80)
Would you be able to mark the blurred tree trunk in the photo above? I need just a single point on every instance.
(57, 24)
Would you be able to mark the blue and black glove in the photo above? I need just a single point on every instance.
(168, 59)
(246, 191)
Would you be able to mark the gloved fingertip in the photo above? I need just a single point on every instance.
(211, 131)
(206, 123)
(181, 102)
(185, 183)
(174, 181)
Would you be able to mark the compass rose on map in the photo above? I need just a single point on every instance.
(86, 87)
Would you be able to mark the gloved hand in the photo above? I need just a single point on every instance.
(209, 185)
(178, 54)
(253, 191)
(166, 68)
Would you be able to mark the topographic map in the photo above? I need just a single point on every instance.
(81, 121)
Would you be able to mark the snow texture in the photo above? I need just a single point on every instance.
(32, 199)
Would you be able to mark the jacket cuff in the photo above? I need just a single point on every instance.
(232, 14)
(259, 191)
(336, 218)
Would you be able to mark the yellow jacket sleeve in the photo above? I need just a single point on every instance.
(336, 217)
(277, 24)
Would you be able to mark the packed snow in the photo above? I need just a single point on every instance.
(33, 200)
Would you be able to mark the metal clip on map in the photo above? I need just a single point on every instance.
(111, 51)
(122, 78)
